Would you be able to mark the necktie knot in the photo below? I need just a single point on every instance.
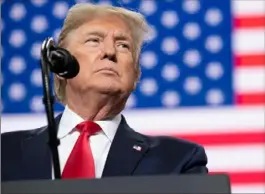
(88, 127)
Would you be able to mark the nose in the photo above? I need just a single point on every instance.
(109, 50)
(109, 46)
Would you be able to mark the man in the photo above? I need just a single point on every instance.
(106, 41)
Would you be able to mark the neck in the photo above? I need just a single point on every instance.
(95, 106)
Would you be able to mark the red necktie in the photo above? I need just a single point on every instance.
(80, 163)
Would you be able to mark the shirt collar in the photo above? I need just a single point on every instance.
(70, 119)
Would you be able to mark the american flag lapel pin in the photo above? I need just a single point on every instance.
(138, 148)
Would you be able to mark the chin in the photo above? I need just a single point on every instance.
(108, 88)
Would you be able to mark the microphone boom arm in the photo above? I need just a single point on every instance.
(48, 101)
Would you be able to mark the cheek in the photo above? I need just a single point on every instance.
(128, 68)
(86, 61)
(83, 58)
(127, 61)
(85, 64)
(130, 74)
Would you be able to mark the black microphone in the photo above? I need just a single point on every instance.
(61, 61)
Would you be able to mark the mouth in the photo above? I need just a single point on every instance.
(108, 71)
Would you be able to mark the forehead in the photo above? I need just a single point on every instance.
(106, 24)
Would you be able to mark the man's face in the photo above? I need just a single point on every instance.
(104, 49)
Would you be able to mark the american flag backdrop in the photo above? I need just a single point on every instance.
(203, 76)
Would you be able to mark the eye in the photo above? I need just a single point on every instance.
(92, 40)
(124, 45)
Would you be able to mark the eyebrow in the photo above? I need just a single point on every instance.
(122, 36)
(96, 33)
(118, 36)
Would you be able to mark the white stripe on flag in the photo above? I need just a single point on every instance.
(248, 41)
(236, 158)
(183, 121)
(252, 188)
(248, 7)
(196, 121)
(249, 79)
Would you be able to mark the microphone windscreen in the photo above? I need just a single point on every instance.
(63, 63)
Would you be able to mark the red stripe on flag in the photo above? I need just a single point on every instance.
(219, 139)
(257, 60)
(251, 99)
(254, 177)
(250, 21)
(226, 138)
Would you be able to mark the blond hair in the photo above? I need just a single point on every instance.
(81, 13)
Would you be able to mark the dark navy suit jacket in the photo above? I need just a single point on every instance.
(26, 155)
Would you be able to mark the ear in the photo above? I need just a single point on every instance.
(137, 78)
(137, 73)
(134, 85)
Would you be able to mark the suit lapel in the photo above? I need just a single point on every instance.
(127, 149)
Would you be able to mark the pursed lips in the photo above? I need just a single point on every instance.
(108, 69)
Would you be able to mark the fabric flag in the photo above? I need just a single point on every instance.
(203, 76)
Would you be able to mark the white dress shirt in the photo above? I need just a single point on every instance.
(100, 143)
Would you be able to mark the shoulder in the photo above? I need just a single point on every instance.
(174, 143)
(28, 133)
(182, 155)
(165, 143)
(16, 136)
(13, 143)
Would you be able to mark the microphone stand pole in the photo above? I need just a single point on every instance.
(48, 101)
